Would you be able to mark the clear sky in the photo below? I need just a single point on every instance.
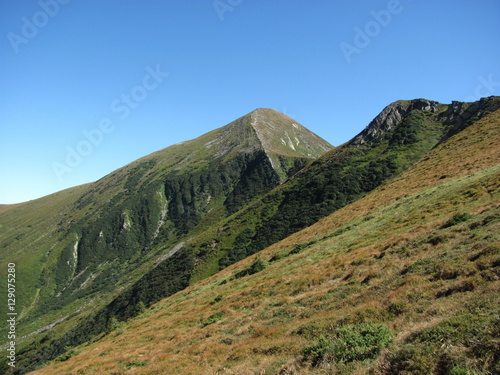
(88, 86)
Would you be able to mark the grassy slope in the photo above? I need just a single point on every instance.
(28, 234)
(386, 259)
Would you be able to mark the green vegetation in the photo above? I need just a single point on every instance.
(135, 363)
(456, 219)
(350, 343)
(214, 318)
(464, 343)
(67, 355)
(257, 265)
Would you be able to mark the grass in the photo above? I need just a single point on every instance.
(415, 264)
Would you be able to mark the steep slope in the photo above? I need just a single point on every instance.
(75, 250)
(405, 280)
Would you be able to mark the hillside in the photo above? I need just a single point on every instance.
(77, 249)
(100, 254)
(404, 280)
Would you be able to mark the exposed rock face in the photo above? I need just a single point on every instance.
(386, 120)
(391, 116)
(424, 105)
(279, 133)
(457, 114)
(460, 112)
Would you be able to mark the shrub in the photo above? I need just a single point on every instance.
(457, 219)
(214, 318)
(411, 359)
(397, 308)
(69, 354)
(135, 363)
(320, 351)
(219, 298)
(350, 343)
(257, 265)
(462, 344)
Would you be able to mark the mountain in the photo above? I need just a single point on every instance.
(404, 280)
(403, 133)
(184, 213)
(85, 245)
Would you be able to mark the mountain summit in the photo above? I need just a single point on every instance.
(280, 134)
(280, 137)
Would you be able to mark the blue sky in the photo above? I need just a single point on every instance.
(89, 86)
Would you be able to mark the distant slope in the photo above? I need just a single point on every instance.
(405, 280)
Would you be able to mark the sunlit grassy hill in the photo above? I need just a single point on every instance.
(402, 281)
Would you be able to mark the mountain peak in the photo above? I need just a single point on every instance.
(262, 129)
(280, 134)
(265, 111)
(276, 134)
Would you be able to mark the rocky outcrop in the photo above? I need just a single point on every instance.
(391, 116)
(457, 115)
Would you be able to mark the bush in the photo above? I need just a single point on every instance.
(457, 219)
(214, 318)
(69, 354)
(257, 265)
(411, 359)
(320, 351)
(462, 344)
(135, 363)
(397, 308)
(350, 343)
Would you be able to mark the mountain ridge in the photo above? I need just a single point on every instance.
(457, 113)
(236, 135)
